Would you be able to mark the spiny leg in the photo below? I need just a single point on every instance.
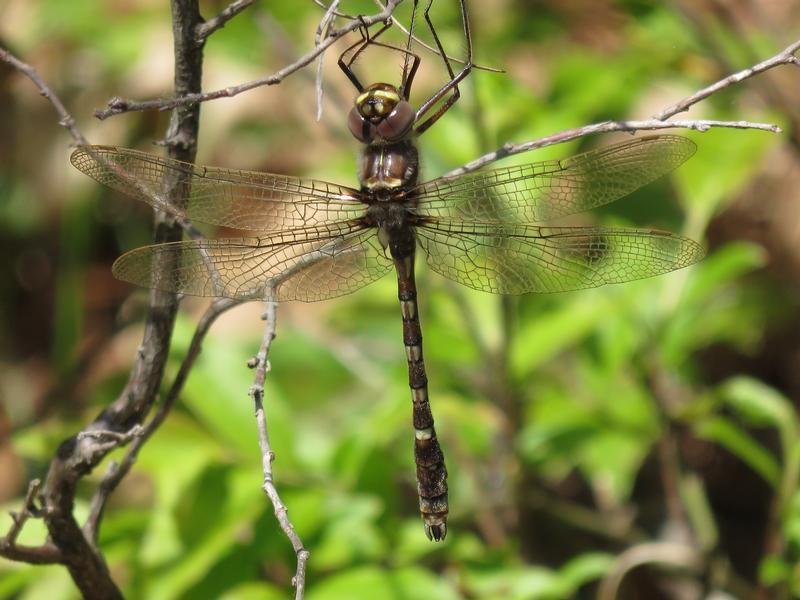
(455, 78)
(408, 76)
(346, 59)
(345, 62)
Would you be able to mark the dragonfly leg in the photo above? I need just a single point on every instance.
(351, 53)
(348, 57)
(451, 86)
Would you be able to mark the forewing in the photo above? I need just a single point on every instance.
(238, 199)
(285, 266)
(525, 258)
(541, 191)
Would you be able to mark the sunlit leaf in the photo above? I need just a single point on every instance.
(368, 583)
(759, 404)
(737, 441)
(548, 334)
(255, 591)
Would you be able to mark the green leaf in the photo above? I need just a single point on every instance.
(711, 309)
(699, 511)
(725, 162)
(538, 583)
(791, 525)
(730, 436)
(611, 460)
(542, 338)
(238, 510)
(514, 583)
(371, 583)
(774, 570)
(255, 591)
(760, 405)
(725, 265)
(350, 535)
(583, 569)
(50, 581)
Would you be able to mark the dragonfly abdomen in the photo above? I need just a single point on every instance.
(428, 456)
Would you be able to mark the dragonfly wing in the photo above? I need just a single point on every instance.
(540, 191)
(306, 266)
(246, 200)
(525, 258)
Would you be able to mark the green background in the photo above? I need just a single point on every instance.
(577, 427)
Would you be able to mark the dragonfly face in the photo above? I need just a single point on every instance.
(381, 115)
(315, 240)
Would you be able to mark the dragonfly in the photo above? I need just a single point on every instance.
(312, 240)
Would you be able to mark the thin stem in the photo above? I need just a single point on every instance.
(234, 8)
(117, 472)
(401, 27)
(604, 127)
(28, 510)
(79, 455)
(322, 32)
(261, 365)
(65, 118)
(784, 57)
(119, 105)
(46, 554)
(665, 553)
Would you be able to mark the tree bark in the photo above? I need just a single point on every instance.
(76, 457)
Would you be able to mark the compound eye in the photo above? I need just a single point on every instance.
(398, 123)
(361, 128)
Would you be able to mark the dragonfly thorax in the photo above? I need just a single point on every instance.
(387, 168)
(381, 115)
(389, 216)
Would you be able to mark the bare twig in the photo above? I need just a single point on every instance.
(45, 554)
(75, 457)
(784, 57)
(401, 27)
(261, 365)
(29, 510)
(670, 555)
(435, 51)
(603, 127)
(322, 31)
(65, 119)
(119, 105)
(107, 440)
(117, 472)
(234, 8)
(157, 198)
(118, 438)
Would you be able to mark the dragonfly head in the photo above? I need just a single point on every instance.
(381, 115)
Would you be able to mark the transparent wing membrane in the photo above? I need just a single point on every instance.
(546, 190)
(522, 259)
(245, 200)
(315, 265)
(478, 229)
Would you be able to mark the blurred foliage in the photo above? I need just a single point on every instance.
(573, 424)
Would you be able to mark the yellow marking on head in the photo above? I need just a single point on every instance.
(377, 102)
(389, 95)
